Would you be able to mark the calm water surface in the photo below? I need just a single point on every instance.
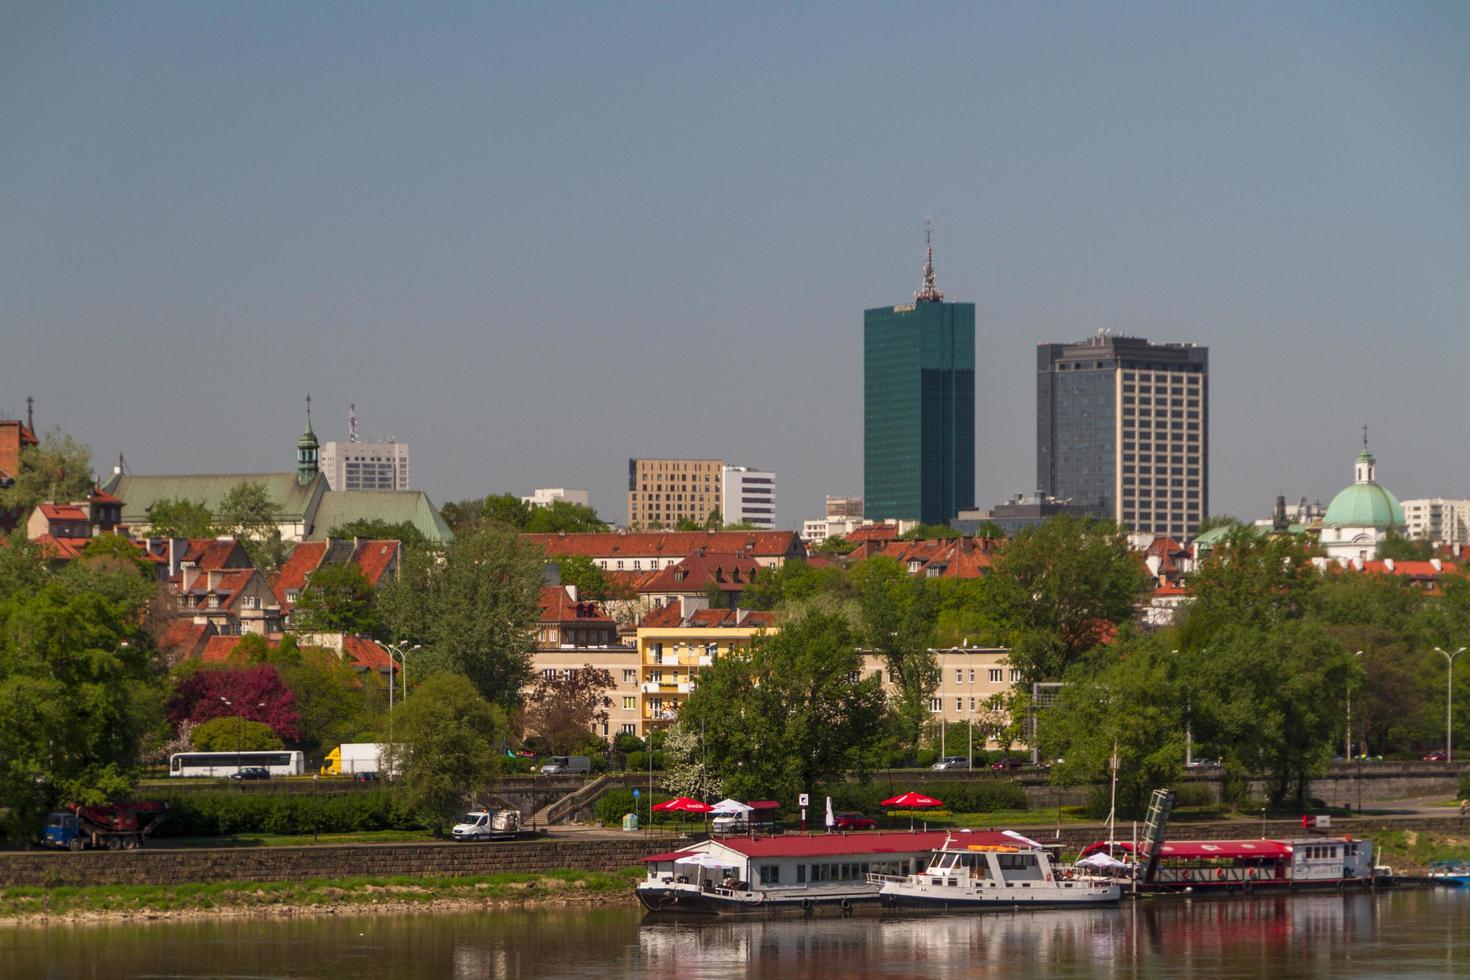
(1401, 934)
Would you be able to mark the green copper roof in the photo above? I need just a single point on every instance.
(294, 501)
(1364, 505)
(393, 506)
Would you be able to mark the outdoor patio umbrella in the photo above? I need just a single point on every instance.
(682, 804)
(729, 807)
(911, 801)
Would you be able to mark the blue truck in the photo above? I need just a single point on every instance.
(114, 826)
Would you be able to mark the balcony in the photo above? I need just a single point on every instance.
(705, 661)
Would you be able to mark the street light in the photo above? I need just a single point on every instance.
(398, 650)
(240, 730)
(1449, 700)
(1347, 752)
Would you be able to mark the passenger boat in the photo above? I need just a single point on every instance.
(1244, 865)
(788, 874)
(973, 871)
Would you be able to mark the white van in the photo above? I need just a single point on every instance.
(564, 765)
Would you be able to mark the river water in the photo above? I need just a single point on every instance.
(1407, 933)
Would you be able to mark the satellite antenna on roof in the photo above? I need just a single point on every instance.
(352, 423)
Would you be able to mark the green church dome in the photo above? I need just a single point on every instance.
(1365, 503)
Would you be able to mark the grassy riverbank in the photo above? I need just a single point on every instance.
(550, 888)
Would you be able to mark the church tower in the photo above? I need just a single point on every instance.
(306, 450)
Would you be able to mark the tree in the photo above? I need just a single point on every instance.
(180, 518)
(329, 710)
(255, 693)
(788, 711)
(1060, 588)
(836, 545)
(22, 569)
(563, 515)
(1134, 701)
(898, 616)
(795, 582)
(1249, 578)
(58, 469)
(234, 735)
(591, 582)
(248, 513)
(404, 532)
(337, 599)
(565, 710)
(76, 698)
(475, 613)
(928, 532)
(447, 744)
(1400, 548)
(685, 770)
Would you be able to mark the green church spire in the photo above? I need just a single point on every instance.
(306, 450)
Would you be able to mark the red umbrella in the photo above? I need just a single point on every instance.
(682, 804)
(912, 801)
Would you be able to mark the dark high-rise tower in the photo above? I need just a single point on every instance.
(919, 406)
(1122, 430)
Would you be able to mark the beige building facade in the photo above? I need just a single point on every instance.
(663, 492)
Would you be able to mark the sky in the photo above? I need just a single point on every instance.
(533, 240)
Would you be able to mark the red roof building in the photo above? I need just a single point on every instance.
(641, 551)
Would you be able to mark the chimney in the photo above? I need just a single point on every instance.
(214, 575)
(188, 573)
(571, 592)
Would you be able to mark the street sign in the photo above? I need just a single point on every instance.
(801, 800)
(635, 792)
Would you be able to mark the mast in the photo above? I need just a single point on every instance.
(930, 292)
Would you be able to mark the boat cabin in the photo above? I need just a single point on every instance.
(795, 861)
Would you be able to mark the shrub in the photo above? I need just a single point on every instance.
(212, 814)
(1194, 794)
(1464, 793)
(926, 758)
(638, 761)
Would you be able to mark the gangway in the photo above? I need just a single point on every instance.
(1155, 825)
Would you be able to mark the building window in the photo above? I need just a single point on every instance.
(629, 729)
(995, 675)
(630, 703)
(936, 705)
(630, 677)
(549, 673)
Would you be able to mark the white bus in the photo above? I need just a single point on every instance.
(279, 763)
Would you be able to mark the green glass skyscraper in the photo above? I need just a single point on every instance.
(919, 406)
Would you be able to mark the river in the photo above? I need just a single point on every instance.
(1407, 933)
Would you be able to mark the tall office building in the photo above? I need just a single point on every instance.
(354, 465)
(1122, 431)
(919, 406)
(664, 492)
(749, 496)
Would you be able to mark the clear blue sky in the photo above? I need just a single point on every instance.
(536, 239)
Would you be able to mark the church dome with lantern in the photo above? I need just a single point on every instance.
(1362, 515)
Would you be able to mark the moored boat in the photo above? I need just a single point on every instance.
(1245, 865)
(788, 874)
(973, 871)
(1455, 874)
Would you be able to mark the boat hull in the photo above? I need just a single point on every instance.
(936, 899)
(687, 901)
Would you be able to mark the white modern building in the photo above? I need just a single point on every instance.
(749, 496)
(1438, 519)
(844, 515)
(546, 496)
(365, 465)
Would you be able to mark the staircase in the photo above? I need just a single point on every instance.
(1160, 805)
(586, 795)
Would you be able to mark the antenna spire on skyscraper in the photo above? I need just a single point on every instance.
(352, 422)
(930, 291)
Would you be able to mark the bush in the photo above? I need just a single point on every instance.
(638, 761)
(234, 735)
(1194, 795)
(926, 758)
(212, 814)
(1465, 786)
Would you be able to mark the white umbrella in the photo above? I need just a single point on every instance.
(831, 820)
(729, 807)
(701, 860)
(1103, 862)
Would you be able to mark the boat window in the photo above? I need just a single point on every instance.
(770, 874)
(801, 874)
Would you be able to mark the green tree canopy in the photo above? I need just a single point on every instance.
(58, 469)
(248, 513)
(234, 735)
(789, 711)
(566, 710)
(337, 599)
(1061, 587)
(447, 745)
(591, 582)
(929, 532)
(563, 515)
(404, 532)
(898, 617)
(180, 518)
(474, 613)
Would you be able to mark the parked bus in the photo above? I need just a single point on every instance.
(278, 763)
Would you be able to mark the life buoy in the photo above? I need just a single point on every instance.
(846, 907)
(1220, 873)
(1067, 874)
(1254, 874)
(806, 906)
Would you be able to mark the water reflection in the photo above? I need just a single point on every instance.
(1410, 933)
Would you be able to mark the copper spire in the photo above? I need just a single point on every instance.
(930, 291)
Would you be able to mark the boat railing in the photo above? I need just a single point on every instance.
(876, 879)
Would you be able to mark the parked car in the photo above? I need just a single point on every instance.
(855, 821)
(952, 762)
(1436, 757)
(1202, 764)
(730, 823)
(365, 777)
(252, 772)
(1008, 762)
(564, 765)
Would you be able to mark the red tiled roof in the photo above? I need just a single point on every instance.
(559, 607)
(100, 496)
(210, 553)
(184, 634)
(725, 618)
(302, 561)
(663, 544)
(365, 653)
(664, 617)
(952, 557)
(375, 558)
(63, 549)
(220, 649)
(62, 512)
(726, 572)
(835, 845)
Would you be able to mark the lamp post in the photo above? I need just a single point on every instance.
(240, 730)
(1347, 750)
(1449, 701)
(400, 650)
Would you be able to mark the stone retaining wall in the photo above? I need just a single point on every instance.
(160, 866)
